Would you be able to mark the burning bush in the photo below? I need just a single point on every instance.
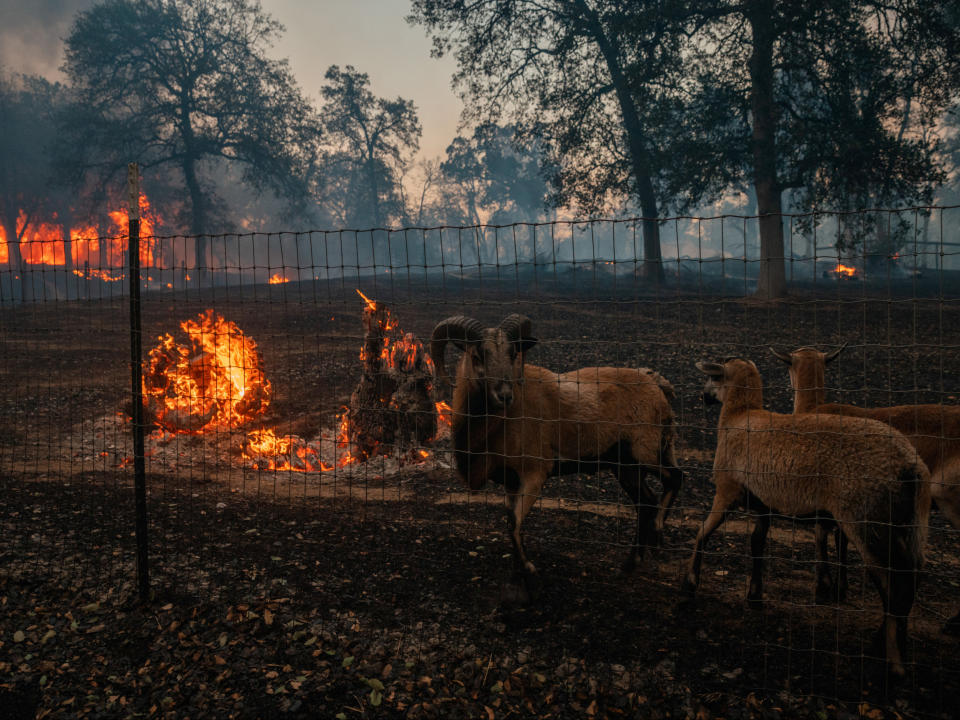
(215, 381)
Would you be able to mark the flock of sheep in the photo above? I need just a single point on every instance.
(869, 474)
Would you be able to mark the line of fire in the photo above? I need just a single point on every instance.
(70, 260)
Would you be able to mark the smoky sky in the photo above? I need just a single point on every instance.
(32, 32)
(371, 35)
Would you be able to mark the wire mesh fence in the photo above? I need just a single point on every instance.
(313, 543)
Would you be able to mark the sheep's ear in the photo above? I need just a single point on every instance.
(780, 355)
(830, 357)
(517, 327)
(711, 369)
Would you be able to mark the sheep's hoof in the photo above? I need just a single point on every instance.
(755, 600)
(953, 626)
(630, 564)
(688, 590)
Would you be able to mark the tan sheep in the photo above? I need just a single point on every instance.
(934, 430)
(518, 424)
(861, 472)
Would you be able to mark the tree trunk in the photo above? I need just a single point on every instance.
(636, 143)
(66, 220)
(198, 221)
(379, 243)
(772, 282)
(14, 261)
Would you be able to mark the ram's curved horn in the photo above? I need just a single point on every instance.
(459, 329)
(831, 356)
(518, 329)
(780, 355)
(710, 368)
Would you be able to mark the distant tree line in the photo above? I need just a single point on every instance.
(819, 103)
(590, 106)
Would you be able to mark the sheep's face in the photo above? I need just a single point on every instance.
(723, 377)
(495, 365)
(713, 388)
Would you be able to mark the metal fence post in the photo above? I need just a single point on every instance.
(139, 461)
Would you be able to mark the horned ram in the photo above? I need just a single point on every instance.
(518, 424)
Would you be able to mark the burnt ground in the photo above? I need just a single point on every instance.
(272, 601)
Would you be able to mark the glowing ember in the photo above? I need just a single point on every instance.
(289, 452)
(213, 382)
(277, 279)
(844, 270)
(343, 440)
(445, 413)
(98, 274)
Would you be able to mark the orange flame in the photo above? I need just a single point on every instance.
(845, 270)
(277, 279)
(214, 382)
(289, 452)
(42, 242)
(283, 453)
(371, 305)
(444, 413)
(98, 274)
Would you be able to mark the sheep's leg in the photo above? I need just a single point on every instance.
(895, 582)
(725, 496)
(672, 479)
(945, 490)
(826, 588)
(645, 504)
(671, 476)
(521, 500)
(758, 548)
(842, 544)
(896, 589)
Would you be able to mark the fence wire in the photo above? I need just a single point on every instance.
(313, 543)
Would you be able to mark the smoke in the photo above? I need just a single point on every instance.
(32, 33)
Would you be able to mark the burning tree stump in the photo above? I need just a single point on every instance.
(391, 407)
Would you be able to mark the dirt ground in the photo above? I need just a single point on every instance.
(376, 592)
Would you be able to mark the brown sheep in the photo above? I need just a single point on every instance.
(864, 473)
(934, 430)
(517, 424)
